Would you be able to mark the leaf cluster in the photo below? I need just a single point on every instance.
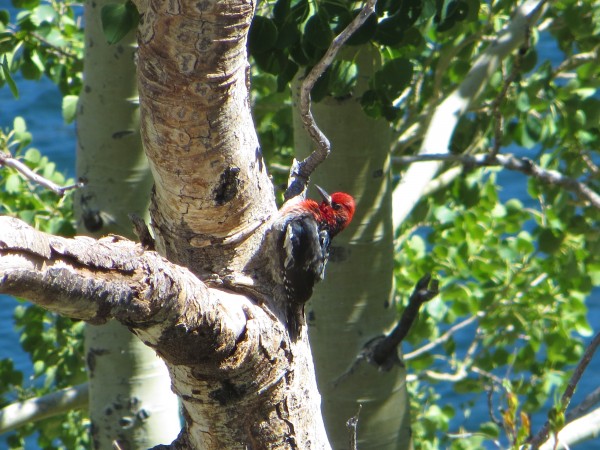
(54, 344)
(42, 39)
(291, 36)
(523, 273)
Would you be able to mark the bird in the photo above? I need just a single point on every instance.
(305, 229)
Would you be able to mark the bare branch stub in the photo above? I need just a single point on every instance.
(352, 424)
(384, 352)
(142, 232)
(301, 171)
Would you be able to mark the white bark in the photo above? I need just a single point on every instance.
(18, 414)
(446, 115)
(579, 430)
(354, 302)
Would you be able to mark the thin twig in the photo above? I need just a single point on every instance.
(8, 161)
(511, 162)
(53, 47)
(576, 60)
(490, 404)
(302, 170)
(542, 435)
(352, 424)
(443, 338)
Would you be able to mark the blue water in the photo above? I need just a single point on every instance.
(40, 105)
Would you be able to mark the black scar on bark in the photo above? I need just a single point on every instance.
(228, 186)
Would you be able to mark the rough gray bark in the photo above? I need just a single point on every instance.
(238, 376)
(209, 305)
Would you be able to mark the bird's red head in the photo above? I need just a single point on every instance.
(338, 210)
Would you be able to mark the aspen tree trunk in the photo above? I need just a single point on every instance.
(355, 302)
(209, 303)
(131, 402)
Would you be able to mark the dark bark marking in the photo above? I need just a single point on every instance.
(227, 393)
(228, 185)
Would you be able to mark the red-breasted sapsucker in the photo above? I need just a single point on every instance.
(305, 229)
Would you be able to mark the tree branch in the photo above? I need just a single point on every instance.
(301, 171)
(542, 435)
(385, 351)
(581, 429)
(227, 356)
(442, 338)
(18, 414)
(590, 400)
(511, 162)
(97, 280)
(8, 161)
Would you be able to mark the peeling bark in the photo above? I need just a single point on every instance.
(240, 379)
(212, 189)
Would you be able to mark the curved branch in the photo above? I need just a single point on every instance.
(8, 161)
(542, 435)
(302, 170)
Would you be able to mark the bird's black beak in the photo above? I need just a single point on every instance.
(324, 194)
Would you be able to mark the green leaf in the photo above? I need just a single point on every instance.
(391, 80)
(21, 134)
(262, 36)
(365, 32)
(33, 155)
(13, 184)
(390, 31)
(550, 240)
(69, 107)
(317, 31)
(8, 78)
(56, 38)
(4, 17)
(32, 67)
(118, 20)
(19, 125)
(286, 75)
(523, 104)
(371, 104)
(25, 4)
(43, 13)
(288, 34)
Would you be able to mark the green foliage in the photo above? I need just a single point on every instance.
(54, 343)
(525, 283)
(520, 270)
(24, 199)
(43, 39)
(118, 19)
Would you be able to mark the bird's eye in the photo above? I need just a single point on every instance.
(336, 206)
